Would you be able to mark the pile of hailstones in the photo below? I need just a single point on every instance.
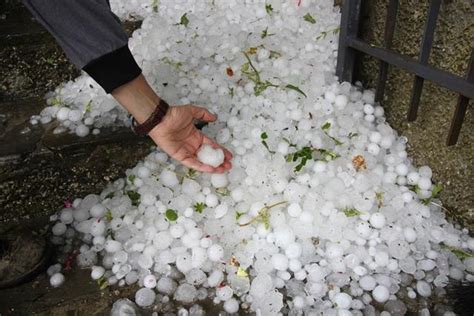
(322, 210)
(333, 238)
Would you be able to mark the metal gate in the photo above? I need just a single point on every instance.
(350, 44)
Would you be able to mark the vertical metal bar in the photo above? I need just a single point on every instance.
(390, 23)
(426, 44)
(461, 107)
(350, 17)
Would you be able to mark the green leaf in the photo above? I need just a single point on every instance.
(268, 8)
(262, 86)
(134, 197)
(88, 107)
(264, 136)
(184, 20)
(379, 198)
(191, 174)
(231, 92)
(351, 212)
(102, 282)
(352, 135)
(242, 273)
(199, 207)
(171, 215)
(326, 126)
(131, 178)
(56, 102)
(295, 88)
(309, 18)
(416, 189)
(274, 54)
(176, 64)
(223, 191)
(108, 215)
(154, 5)
(322, 35)
(265, 33)
(110, 195)
(437, 188)
(461, 254)
(328, 155)
(238, 214)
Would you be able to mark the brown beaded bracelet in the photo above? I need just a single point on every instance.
(155, 118)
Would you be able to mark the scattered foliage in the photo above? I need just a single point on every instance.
(309, 18)
(171, 215)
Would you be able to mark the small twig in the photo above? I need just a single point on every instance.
(263, 212)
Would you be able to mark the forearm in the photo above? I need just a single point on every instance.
(91, 36)
(138, 98)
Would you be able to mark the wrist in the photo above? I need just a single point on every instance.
(138, 98)
(155, 118)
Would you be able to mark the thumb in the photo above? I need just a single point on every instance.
(202, 114)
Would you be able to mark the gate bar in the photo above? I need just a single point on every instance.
(461, 107)
(441, 77)
(426, 45)
(350, 16)
(390, 23)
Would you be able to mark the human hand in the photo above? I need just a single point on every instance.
(179, 138)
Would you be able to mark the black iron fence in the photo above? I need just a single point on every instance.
(350, 44)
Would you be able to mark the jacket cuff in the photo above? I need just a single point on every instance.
(113, 69)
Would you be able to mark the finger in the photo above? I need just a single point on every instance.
(202, 114)
(226, 166)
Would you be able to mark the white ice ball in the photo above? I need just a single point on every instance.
(342, 300)
(145, 297)
(215, 253)
(97, 272)
(210, 156)
(82, 130)
(149, 281)
(367, 283)
(377, 220)
(294, 210)
(59, 229)
(231, 306)
(57, 279)
(410, 234)
(279, 262)
(219, 180)
(63, 114)
(381, 294)
(424, 183)
(293, 250)
(341, 101)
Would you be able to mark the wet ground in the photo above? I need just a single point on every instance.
(40, 170)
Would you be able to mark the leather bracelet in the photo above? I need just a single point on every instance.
(155, 118)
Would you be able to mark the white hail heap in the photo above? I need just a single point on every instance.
(322, 203)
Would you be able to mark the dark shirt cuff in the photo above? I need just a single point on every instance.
(113, 69)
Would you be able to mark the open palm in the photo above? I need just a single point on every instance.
(178, 137)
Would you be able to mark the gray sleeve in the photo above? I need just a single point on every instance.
(85, 29)
(91, 36)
